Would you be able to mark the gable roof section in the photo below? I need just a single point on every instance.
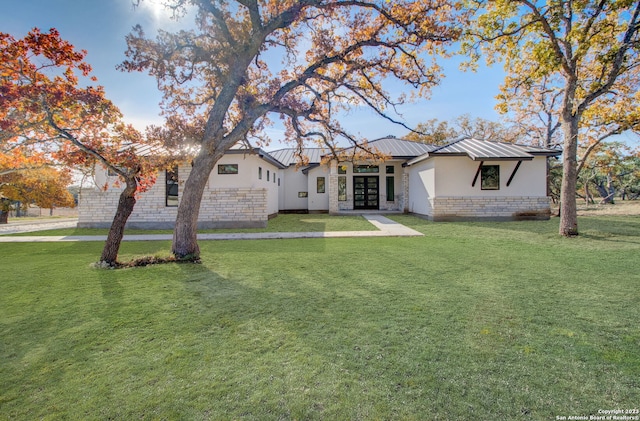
(485, 150)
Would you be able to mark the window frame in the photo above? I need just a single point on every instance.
(366, 169)
(342, 188)
(391, 188)
(171, 180)
(321, 185)
(223, 169)
(490, 177)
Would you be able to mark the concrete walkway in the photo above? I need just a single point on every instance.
(18, 225)
(386, 228)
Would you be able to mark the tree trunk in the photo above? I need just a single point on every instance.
(125, 206)
(587, 194)
(569, 215)
(185, 241)
(4, 217)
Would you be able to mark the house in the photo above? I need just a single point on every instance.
(465, 179)
(471, 179)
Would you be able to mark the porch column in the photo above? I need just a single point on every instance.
(405, 190)
(333, 187)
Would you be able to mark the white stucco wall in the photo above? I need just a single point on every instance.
(441, 188)
(293, 181)
(247, 177)
(229, 200)
(318, 201)
(421, 187)
(454, 176)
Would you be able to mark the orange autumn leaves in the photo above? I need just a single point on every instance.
(51, 114)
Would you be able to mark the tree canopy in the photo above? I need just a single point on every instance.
(304, 62)
(44, 187)
(584, 53)
(50, 111)
(442, 132)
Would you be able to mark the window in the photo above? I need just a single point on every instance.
(320, 184)
(274, 178)
(490, 177)
(390, 189)
(391, 169)
(268, 175)
(228, 169)
(302, 194)
(366, 169)
(342, 169)
(342, 188)
(259, 173)
(278, 181)
(171, 187)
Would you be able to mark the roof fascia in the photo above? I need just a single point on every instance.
(260, 153)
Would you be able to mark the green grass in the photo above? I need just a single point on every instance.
(281, 223)
(483, 321)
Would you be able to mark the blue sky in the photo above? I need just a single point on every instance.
(99, 26)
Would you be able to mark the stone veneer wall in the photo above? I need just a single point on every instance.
(509, 208)
(220, 208)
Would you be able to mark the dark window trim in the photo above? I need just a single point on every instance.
(342, 188)
(320, 185)
(171, 186)
(391, 189)
(228, 169)
(487, 176)
(366, 169)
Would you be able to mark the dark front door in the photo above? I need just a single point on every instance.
(365, 192)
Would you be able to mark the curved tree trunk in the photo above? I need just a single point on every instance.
(569, 215)
(125, 206)
(185, 244)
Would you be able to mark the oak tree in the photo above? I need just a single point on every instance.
(304, 62)
(44, 107)
(586, 47)
(44, 187)
(442, 132)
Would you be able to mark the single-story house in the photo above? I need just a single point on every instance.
(465, 179)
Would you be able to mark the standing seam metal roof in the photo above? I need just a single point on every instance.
(288, 156)
(479, 150)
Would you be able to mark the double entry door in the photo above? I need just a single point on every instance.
(365, 192)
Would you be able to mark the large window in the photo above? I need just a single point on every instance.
(342, 188)
(171, 187)
(391, 189)
(365, 169)
(320, 185)
(490, 177)
(228, 169)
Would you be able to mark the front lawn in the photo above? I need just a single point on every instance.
(483, 321)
